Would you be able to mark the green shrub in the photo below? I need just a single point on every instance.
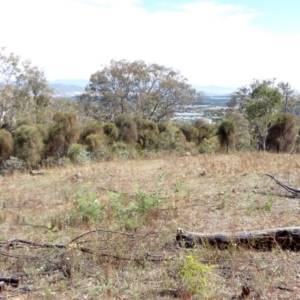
(93, 141)
(11, 165)
(147, 133)
(122, 150)
(62, 134)
(91, 128)
(193, 275)
(128, 128)
(172, 139)
(111, 131)
(87, 210)
(209, 146)
(29, 145)
(6, 144)
(78, 154)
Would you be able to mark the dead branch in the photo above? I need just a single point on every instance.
(287, 238)
(286, 187)
(13, 281)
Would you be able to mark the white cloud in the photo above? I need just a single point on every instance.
(210, 44)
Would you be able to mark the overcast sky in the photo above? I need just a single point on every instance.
(221, 42)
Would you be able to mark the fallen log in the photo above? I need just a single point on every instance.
(287, 238)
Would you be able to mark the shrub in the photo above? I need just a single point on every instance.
(282, 135)
(111, 131)
(62, 134)
(29, 144)
(205, 130)
(147, 133)
(78, 154)
(227, 134)
(93, 142)
(6, 144)
(194, 275)
(128, 128)
(172, 139)
(11, 165)
(91, 128)
(122, 150)
(87, 210)
(190, 132)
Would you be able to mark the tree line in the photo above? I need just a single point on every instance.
(126, 110)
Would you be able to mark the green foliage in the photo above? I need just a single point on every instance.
(111, 131)
(267, 206)
(23, 90)
(152, 91)
(209, 146)
(205, 130)
(128, 128)
(147, 133)
(78, 154)
(227, 134)
(194, 275)
(62, 134)
(28, 145)
(145, 202)
(94, 142)
(88, 210)
(190, 132)
(91, 128)
(6, 144)
(282, 134)
(172, 139)
(11, 165)
(132, 212)
(243, 137)
(260, 102)
(122, 150)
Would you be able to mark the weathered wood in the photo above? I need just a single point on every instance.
(13, 281)
(287, 238)
(36, 172)
(286, 187)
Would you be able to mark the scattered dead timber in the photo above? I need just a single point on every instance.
(295, 192)
(287, 238)
(36, 172)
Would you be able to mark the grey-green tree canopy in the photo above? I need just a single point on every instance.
(152, 91)
(260, 101)
(23, 89)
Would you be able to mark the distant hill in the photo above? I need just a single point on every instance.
(71, 87)
(215, 90)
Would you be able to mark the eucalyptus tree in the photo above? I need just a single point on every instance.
(260, 101)
(152, 91)
(23, 89)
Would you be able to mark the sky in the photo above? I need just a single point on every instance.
(213, 42)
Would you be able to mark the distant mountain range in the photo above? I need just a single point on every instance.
(71, 87)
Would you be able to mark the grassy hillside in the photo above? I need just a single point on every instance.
(114, 226)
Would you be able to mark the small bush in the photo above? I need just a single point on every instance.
(111, 131)
(88, 210)
(6, 144)
(93, 141)
(78, 154)
(29, 145)
(172, 139)
(128, 128)
(194, 274)
(11, 165)
(91, 128)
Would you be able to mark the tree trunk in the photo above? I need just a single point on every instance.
(285, 238)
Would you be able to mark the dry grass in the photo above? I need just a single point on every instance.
(205, 193)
